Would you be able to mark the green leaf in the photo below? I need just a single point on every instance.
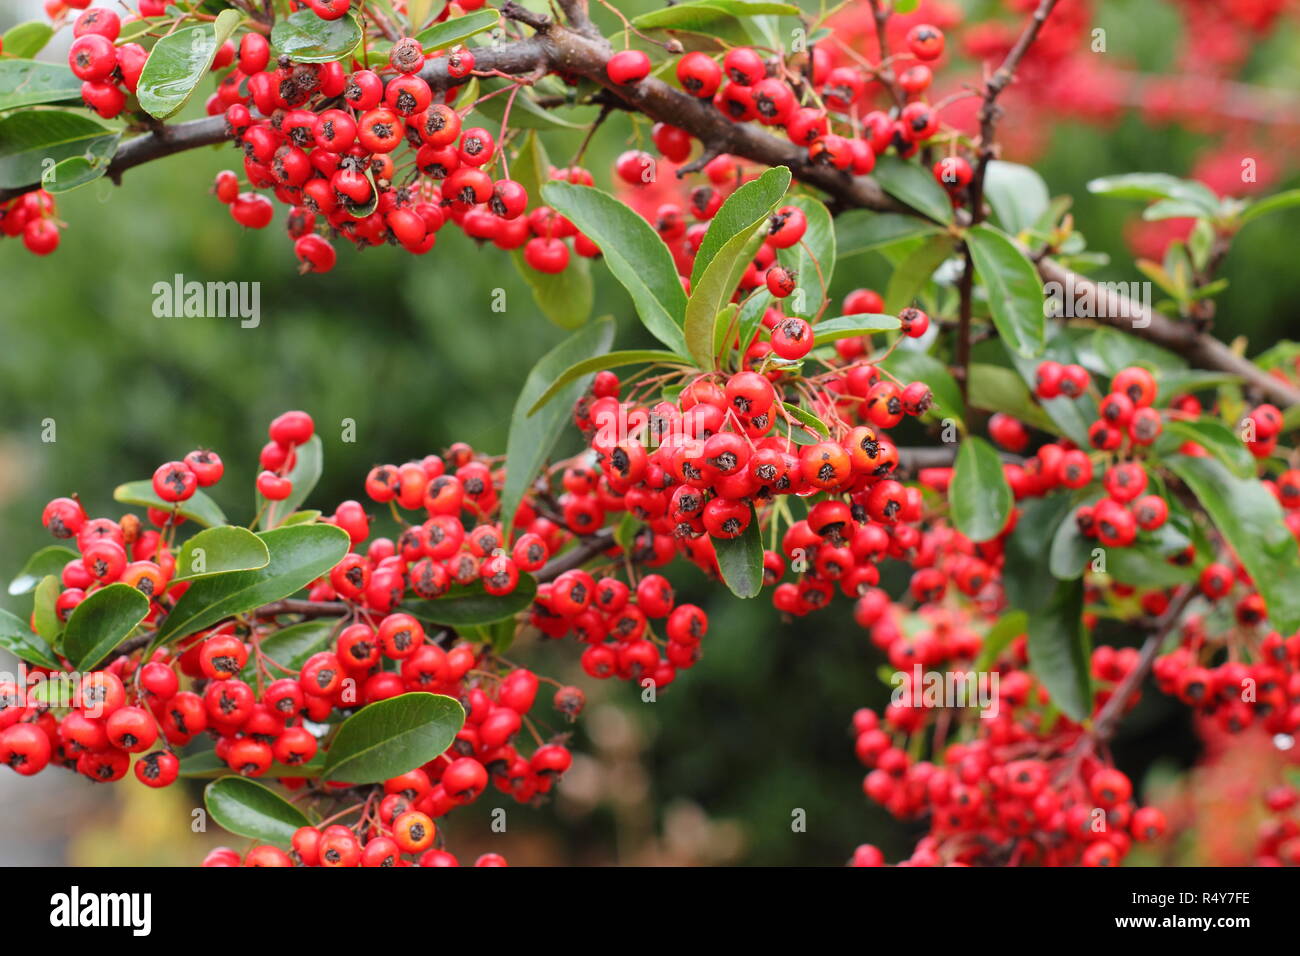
(979, 495)
(1014, 288)
(101, 622)
(532, 436)
(914, 365)
(1251, 520)
(708, 16)
(859, 230)
(1150, 186)
(914, 185)
(250, 809)
(291, 646)
(390, 737)
(1179, 381)
(995, 388)
(48, 625)
(1172, 209)
(908, 280)
(306, 471)
(1070, 550)
(307, 38)
(1018, 195)
(179, 61)
(740, 213)
(34, 140)
(849, 326)
(1143, 563)
(741, 233)
(470, 605)
(29, 83)
(634, 252)
(1059, 652)
(597, 363)
(199, 508)
(565, 298)
(17, 638)
(220, 551)
(1008, 627)
(816, 250)
(1215, 437)
(810, 422)
(77, 171)
(25, 40)
(48, 560)
(751, 316)
(299, 555)
(741, 560)
(1275, 203)
(440, 36)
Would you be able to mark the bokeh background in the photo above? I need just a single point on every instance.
(411, 350)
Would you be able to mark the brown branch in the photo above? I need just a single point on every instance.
(305, 608)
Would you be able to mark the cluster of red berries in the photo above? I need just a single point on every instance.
(1279, 838)
(1254, 683)
(407, 840)
(32, 216)
(110, 73)
(989, 804)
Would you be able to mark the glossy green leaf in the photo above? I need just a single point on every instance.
(599, 363)
(390, 737)
(46, 619)
(25, 40)
(812, 261)
(34, 140)
(741, 560)
(1014, 289)
(1152, 186)
(914, 185)
(565, 298)
(745, 223)
(307, 38)
(909, 279)
(19, 640)
(740, 213)
(1059, 648)
(1215, 437)
(48, 560)
(250, 809)
(306, 472)
(440, 36)
(206, 765)
(534, 429)
(180, 60)
(1070, 550)
(860, 230)
(1008, 627)
(470, 605)
(77, 171)
(1275, 203)
(850, 326)
(816, 428)
(979, 495)
(199, 508)
(291, 646)
(634, 252)
(1071, 415)
(101, 622)
(1251, 520)
(707, 16)
(30, 83)
(220, 551)
(1017, 194)
(299, 555)
(995, 388)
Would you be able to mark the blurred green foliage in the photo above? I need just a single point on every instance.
(410, 348)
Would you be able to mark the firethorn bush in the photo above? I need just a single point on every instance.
(1054, 469)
